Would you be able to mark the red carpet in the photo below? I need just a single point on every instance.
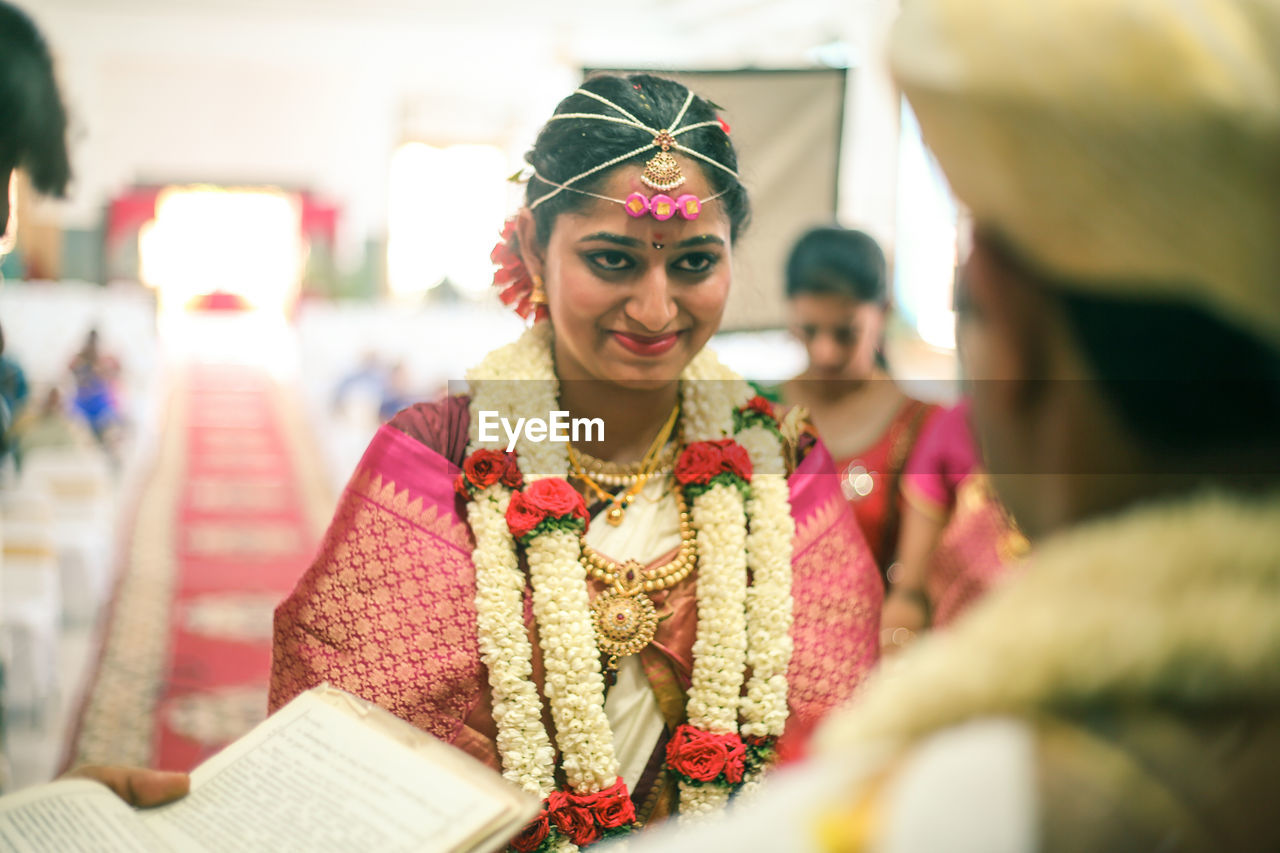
(225, 526)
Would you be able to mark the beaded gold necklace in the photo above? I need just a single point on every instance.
(647, 467)
(624, 617)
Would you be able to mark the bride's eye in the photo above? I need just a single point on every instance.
(696, 262)
(610, 260)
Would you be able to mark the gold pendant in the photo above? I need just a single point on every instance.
(624, 618)
(662, 172)
(615, 514)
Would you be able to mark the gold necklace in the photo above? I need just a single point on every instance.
(614, 474)
(624, 617)
(618, 504)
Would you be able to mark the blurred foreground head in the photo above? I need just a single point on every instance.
(33, 122)
(1120, 311)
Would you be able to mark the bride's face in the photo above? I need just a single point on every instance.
(633, 300)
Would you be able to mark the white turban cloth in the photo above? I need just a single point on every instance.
(1130, 146)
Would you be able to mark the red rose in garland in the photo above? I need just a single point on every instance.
(555, 497)
(574, 822)
(693, 753)
(699, 462)
(534, 833)
(511, 476)
(549, 502)
(612, 807)
(616, 813)
(706, 756)
(735, 765)
(705, 463)
(761, 405)
(485, 467)
(756, 411)
(522, 517)
(736, 460)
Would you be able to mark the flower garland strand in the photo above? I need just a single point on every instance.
(716, 474)
(719, 651)
(527, 756)
(520, 377)
(769, 601)
(740, 524)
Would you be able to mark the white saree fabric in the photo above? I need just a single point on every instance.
(651, 528)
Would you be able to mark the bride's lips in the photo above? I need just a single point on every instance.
(646, 345)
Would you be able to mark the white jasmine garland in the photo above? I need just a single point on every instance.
(527, 756)
(769, 601)
(737, 626)
(573, 683)
(719, 652)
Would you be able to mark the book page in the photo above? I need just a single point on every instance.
(73, 816)
(323, 774)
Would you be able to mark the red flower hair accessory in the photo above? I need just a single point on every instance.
(701, 756)
(705, 463)
(486, 467)
(513, 277)
(547, 504)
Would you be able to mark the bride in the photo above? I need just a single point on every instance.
(629, 627)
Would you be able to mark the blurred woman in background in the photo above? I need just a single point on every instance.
(837, 292)
(957, 540)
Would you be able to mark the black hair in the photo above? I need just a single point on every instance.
(570, 147)
(33, 122)
(1181, 379)
(837, 260)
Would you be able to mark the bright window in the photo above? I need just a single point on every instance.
(446, 211)
(206, 240)
(925, 247)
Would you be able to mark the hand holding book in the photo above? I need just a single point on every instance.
(327, 772)
(137, 786)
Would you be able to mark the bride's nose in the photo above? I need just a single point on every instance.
(652, 304)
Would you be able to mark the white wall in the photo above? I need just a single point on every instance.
(868, 179)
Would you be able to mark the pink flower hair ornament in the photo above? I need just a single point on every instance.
(661, 206)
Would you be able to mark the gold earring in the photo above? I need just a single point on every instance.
(538, 296)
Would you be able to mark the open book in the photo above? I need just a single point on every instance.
(327, 772)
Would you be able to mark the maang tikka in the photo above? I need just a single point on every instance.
(662, 172)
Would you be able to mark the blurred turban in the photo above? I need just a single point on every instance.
(1128, 146)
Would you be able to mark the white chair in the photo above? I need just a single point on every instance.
(83, 509)
(30, 605)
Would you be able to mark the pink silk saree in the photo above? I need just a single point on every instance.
(979, 542)
(386, 611)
